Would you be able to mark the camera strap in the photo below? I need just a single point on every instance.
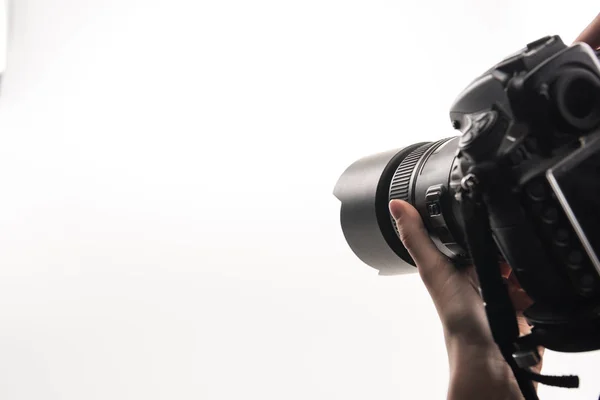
(500, 311)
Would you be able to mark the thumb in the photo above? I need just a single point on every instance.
(591, 33)
(433, 266)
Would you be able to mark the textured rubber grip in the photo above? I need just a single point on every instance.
(400, 185)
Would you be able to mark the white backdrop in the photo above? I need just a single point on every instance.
(167, 228)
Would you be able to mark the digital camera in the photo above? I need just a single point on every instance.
(520, 184)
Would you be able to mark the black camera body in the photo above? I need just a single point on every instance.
(535, 116)
(521, 183)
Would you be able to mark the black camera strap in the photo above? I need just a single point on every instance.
(500, 311)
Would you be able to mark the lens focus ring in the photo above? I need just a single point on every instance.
(400, 185)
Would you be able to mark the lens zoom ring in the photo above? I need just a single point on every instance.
(399, 187)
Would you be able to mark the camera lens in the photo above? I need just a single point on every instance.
(418, 174)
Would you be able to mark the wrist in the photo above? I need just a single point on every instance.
(478, 370)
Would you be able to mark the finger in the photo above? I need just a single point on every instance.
(524, 327)
(520, 300)
(519, 297)
(434, 268)
(538, 367)
(591, 34)
(505, 270)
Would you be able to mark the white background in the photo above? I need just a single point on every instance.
(167, 228)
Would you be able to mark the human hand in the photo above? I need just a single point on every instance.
(477, 368)
(591, 34)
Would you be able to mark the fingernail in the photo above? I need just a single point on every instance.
(395, 209)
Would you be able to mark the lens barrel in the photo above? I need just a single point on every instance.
(418, 174)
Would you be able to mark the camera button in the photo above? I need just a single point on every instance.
(574, 259)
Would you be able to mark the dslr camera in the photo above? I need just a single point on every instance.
(520, 184)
